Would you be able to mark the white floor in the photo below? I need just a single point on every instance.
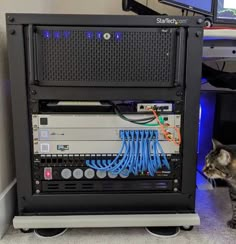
(213, 207)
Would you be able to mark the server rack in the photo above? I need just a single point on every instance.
(39, 74)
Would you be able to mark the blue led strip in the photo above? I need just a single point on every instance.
(140, 151)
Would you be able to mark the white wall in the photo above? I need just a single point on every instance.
(6, 152)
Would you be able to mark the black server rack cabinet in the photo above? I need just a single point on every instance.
(56, 60)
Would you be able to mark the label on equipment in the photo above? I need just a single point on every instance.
(62, 147)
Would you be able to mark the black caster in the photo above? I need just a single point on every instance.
(163, 232)
(25, 231)
(49, 233)
(186, 227)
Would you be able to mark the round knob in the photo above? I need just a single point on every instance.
(175, 189)
(107, 36)
(66, 173)
(111, 175)
(89, 173)
(101, 174)
(124, 174)
(78, 173)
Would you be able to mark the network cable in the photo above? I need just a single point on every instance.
(140, 151)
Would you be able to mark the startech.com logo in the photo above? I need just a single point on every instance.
(169, 21)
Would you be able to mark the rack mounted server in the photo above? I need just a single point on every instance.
(105, 115)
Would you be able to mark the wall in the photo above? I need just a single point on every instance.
(6, 158)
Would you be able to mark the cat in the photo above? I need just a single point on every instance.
(221, 164)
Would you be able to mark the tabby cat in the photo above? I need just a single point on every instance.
(221, 164)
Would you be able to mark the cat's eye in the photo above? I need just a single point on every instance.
(210, 166)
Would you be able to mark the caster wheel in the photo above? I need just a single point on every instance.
(49, 233)
(163, 232)
(186, 227)
(25, 231)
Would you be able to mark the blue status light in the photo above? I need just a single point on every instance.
(56, 34)
(66, 34)
(99, 35)
(118, 35)
(89, 35)
(46, 34)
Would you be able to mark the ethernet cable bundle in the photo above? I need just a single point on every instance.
(140, 151)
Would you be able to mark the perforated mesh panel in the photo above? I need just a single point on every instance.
(135, 57)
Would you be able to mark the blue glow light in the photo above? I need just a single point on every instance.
(206, 127)
(56, 34)
(118, 35)
(46, 34)
(66, 34)
(89, 35)
(99, 35)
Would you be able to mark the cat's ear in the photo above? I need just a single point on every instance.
(216, 143)
(224, 157)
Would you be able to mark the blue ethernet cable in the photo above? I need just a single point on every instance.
(156, 150)
(136, 158)
(146, 151)
(126, 154)
(130, 164)
(156, 155)
(141, 152)
(152, 162)
(129, 158)
(93, 165)
(164, 160)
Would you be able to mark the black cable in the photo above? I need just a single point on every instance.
(223, 67)
(117, 111)
(218, 67)
(134, 121)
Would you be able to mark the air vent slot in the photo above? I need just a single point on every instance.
(107, 186)
(138, 57)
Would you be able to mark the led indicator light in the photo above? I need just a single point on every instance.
(89, 35)
(56, 35)
(46, 34)
(99, 35)
(118, 36)
(66, 34)
(48, 173)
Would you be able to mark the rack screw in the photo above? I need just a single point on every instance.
(12, 32)
(200, 21)
(179, 93)
(33, 92)
(11, 19)
(37, 191)
(198, 33)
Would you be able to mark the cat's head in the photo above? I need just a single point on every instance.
(218, 163)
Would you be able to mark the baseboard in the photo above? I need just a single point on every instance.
(105, 221)
(7, 207)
